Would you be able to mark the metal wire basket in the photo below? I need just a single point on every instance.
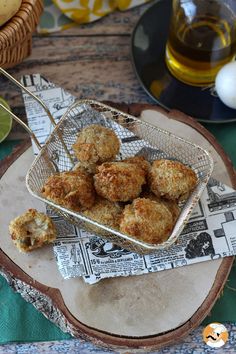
(137, 138)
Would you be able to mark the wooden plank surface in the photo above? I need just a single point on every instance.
(117, 23)
(90, 61)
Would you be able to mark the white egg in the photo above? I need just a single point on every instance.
(225, 84)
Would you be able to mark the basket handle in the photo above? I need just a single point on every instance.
(25, 126)
(18, 120)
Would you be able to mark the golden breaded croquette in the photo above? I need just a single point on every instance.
(173, 208)
(139, 161)
(96, 144)
(105, 212)
(119, 181)
(32, 230)
(172, 179)
(172, 205)
(73, 190)
(92, 167)
(88, 167)
(147, 220)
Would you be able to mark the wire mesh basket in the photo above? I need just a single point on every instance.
(137, 138)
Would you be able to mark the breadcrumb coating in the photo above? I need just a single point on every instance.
(73, 190)
(105, 212)
(139, 161)
(88, 167)
(96, 144)
(32, 230)
(172, 179)
(119, 181)
(147, 220)
(172, 205)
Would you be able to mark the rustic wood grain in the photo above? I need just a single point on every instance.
(79, 60)
(17, 151)
(73, 64)
(118, 23)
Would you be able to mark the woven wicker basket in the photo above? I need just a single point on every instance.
(16, 34)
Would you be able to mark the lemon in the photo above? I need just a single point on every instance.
(5, 121)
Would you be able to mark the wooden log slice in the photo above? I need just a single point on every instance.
(139, 312)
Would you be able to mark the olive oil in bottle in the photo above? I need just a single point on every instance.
(197, 49)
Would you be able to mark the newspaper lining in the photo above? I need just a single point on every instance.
(209, 234)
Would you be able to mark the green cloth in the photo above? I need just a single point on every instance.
(225, 308)
(6, 148)
(33, 326)
(21, 322)
(226, 136)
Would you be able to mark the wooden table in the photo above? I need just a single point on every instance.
(90, 61)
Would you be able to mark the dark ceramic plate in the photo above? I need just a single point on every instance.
(148, 55)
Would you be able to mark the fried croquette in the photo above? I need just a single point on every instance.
(88, 167)
(119, 181)
(172, 179)
(173, 208)
(96, 144)
(73, 190)
(172, 205)
(140, 161)
(32, 230)
(104, 212)
(147, 220)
